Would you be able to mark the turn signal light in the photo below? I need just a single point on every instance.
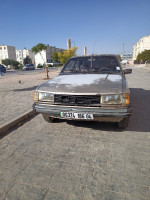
(127, 99)
(35, 96)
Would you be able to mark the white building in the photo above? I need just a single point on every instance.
(140, 46)
(22, 54)
(19, 56)
(7, 52)
(46, 56)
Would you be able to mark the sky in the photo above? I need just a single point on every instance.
(103, 26)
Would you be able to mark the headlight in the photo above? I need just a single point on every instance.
(111, 99)
(43, 96)
(115, 99)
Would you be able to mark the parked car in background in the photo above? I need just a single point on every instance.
(28, 67)
(124, 62)
(88, 88)
(2, 68)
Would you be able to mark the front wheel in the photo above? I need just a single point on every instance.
(49, 119)
(123, 123)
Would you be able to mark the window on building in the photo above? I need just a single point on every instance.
(0, 48)
(4, 47)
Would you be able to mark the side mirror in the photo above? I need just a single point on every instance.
(127, 71)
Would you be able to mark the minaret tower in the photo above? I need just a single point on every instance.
(68, 43)
(85, 51)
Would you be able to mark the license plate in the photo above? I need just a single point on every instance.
(71, 115)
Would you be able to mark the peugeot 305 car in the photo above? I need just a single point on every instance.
(87, 88)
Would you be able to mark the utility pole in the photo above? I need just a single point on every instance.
(73, 42)
(123, 49)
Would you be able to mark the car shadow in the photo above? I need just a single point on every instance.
(103, 126)
(139, 120)
(25, 89)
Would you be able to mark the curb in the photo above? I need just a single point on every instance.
(13, 122)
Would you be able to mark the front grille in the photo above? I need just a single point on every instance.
(77, 99)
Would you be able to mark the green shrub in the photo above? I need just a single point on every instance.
(40, 66)
(49, 65)
(20, 66)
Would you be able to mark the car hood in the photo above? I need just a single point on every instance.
(85, 83)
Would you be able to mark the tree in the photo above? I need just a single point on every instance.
(55, 57)
(144, 56)
(11, 62)
(15, 64)
(7, 62)
(20, 66)
(27, 60)
(64, 56)
(38, 49)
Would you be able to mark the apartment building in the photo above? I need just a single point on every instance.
(140, 46)
(7, 52)
(19, 56)
(46, 56)
(22, 54)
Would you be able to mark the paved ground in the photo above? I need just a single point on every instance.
(17, 98)
(80, 160)
(87, 161)
(14, 72)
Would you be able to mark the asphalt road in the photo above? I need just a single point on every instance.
(81, 160)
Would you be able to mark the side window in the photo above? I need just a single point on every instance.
(76, 66)
(69, 66)
(113, 62)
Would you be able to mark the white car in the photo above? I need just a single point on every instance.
(124, 62)
(28, 67)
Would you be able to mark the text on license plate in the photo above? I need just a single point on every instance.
(76, 115)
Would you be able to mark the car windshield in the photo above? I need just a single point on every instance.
(92, 64)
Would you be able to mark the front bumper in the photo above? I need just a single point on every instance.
(99, 114)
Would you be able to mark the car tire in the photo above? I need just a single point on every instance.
(123, 123)
(49, 119)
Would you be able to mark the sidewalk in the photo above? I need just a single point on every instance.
(16, 94)
(147, 67)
